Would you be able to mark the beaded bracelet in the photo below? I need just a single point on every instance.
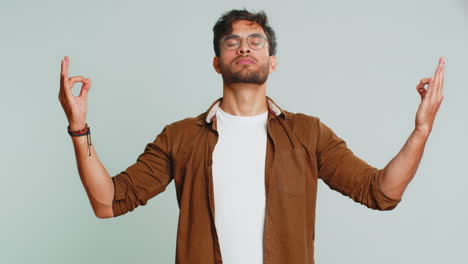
(86, 131)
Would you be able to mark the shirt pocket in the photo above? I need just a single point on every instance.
(290, 171)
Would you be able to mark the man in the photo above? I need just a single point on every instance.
(259, 164)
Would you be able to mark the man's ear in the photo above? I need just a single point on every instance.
(272, 63)
(216, 64)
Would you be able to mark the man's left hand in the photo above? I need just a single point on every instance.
(430, 99)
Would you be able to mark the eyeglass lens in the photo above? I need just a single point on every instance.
(254, 41)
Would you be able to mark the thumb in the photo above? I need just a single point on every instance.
(85, 89)
(420, 89)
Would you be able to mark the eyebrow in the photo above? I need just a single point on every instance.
(237, 36)
(230, 37)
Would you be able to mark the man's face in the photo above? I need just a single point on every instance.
(244, 64)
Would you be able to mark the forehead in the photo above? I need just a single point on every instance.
(246, 27)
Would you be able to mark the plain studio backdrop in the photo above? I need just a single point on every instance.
(354, 64)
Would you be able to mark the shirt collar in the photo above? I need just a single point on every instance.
(210, 113)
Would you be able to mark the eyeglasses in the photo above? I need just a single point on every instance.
(255, 41)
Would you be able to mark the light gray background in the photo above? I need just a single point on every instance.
(354, 64)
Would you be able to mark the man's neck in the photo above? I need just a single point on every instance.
(243, 99)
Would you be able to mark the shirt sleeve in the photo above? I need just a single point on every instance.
(346, 173)
(146, 178)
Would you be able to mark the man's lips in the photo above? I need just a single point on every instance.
(244, 61)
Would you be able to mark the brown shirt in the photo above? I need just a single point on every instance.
(300, 150)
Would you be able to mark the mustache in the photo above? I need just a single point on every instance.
(245, 56)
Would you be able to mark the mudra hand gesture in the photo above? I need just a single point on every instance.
(430, 99)
(74, 106)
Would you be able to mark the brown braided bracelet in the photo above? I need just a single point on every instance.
(86, 131)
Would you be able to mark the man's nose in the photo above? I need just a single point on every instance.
(244, 48)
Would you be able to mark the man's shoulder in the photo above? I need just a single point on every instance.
(188, 123)
(299, 119)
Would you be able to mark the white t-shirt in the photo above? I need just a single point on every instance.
(239, 186)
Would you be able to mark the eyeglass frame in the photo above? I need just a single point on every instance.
(223, 39)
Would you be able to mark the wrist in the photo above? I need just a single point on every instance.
(77, 126)
(80, 133)
(421, 133)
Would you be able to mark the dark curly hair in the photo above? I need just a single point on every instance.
(224, 27)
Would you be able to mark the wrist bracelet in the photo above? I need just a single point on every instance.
(79, 132)
(86, 131)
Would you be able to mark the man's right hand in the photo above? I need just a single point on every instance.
(74, 106)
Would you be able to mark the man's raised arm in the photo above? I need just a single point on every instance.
(402, 168)
(96, 180)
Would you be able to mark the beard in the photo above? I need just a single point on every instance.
(244, 74)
